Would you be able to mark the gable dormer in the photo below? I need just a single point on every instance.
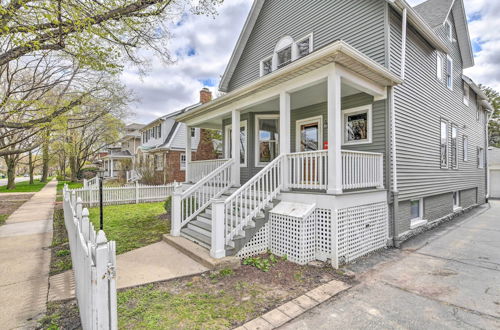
(277, 30)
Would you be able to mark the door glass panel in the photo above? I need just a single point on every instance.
(309, 137)
(268, 140)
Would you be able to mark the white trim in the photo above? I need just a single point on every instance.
(358, 110)
(439, 66)
(449, 32)
(441, 122)
(420, 209)
(182, 168)
(454, 162)
(310, 36)
(450, 74)
(256, 138)
(310, 120)
(465, 148)
(466, 93)
(227, 145)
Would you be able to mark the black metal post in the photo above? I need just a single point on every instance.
(101, 221)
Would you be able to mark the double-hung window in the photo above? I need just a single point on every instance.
(284, 56)
(439, 66)
(466, 94)
(444, 144)
(454, 146)
(182, 162)
(449, 72)
(480, 157)
(243, 142)
(449, 30)
(193, 132)
(304, 47)
(465, 148)
(266, 66)
(267, 139)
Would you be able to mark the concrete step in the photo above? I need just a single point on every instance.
(200, 254)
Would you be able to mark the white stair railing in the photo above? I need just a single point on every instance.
(249, 200)
(197, 170)
(361, 169)
(189, 204)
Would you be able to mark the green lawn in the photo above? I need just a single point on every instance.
(25, 187)
(71, 185)
(132, 226)
(3, 218)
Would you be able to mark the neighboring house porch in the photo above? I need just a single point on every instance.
(117, 163)
(312, 134)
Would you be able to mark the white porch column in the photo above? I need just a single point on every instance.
(188, 152)
(284, 136)
(334, 133)
(112, 168)
(235, 148)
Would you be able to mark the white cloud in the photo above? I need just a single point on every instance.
(167, 88)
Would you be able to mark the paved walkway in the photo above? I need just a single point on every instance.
(25, 259)
(153, 263)
(448, 278)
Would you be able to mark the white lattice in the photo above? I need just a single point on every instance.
(361, 230)
(323, 234)
(293, 237)
(258, 244)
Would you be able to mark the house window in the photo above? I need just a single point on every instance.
(284, 56)
(439, 67)
(158, 162)
(304, 47)
(416, 209)
(466, 94)
(466, 148)
(182, 164)
(454, 146)
(456, 200)
(480, 157)
(193, 132)
(449, 72)
(159, 131)
(478, 111)
(444, 144)
(266, 66)
(267, 137)
(448, 30)
(243, 142)
(357, 124)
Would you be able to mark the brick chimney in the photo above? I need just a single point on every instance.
(205, 146)
(205, 95)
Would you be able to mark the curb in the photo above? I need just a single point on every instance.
(296, 307)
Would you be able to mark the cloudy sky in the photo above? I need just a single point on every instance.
(202, 46)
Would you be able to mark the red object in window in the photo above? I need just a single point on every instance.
(325, 145)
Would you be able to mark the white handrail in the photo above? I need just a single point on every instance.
(362, 169)
(249, 200)
(198, 169)
(197, 198)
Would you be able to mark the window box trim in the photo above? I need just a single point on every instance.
(365, 108)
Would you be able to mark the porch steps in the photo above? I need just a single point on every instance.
(199, 230)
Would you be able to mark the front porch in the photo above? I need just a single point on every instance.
(317, 127)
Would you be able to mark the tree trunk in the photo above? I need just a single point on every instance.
(45, 157)
(31, 167)
(11, 172)
(73, 168)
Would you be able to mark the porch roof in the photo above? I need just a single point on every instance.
(338, 52)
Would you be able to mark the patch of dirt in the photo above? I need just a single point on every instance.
(61, 315)
(12, 197)
(10, 203)
(60, 260)
(164, 216)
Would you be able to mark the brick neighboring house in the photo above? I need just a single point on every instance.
(164, 144)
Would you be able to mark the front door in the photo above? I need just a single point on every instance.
(309, 138)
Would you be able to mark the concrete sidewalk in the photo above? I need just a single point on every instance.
(448, 278)
(152, 263)
(25, 239)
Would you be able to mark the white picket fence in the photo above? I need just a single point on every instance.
(128, 194)
(94, 265)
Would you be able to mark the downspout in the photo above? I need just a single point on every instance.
(487, 143)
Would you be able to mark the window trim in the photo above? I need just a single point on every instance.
(262, 65)
(308, 36)
(480, 157)
(454, 157)
(162, 162)
(456, 206)
(227, 144)
(465, 148)
(357, 110)
(420, 208)
(444, 121)
(449, 74)
(256, 137)
(310, 120)
(466, 94)
(449, 30)
(183, 155)
(439, 66)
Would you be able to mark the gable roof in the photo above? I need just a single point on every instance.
(436, 12)
(414, 19)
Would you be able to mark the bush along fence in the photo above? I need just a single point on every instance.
(94, 265)
(128, 194)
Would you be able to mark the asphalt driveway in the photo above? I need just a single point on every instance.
(448, 278)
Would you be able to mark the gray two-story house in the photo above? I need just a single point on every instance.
(356, 130)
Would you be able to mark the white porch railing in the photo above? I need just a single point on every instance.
(307, 170)
(189, 204)
(199, 169)
(362, 169)
(94, 182)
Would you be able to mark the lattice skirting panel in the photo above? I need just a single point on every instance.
(323, 234)
(361, 230)
(258, 244)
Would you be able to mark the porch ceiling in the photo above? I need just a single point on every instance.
(339, 52)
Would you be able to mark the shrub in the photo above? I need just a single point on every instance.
(168, 204)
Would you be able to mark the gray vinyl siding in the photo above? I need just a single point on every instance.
(378, 126)
(360, 23)
(420, 103)
(438, 206)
